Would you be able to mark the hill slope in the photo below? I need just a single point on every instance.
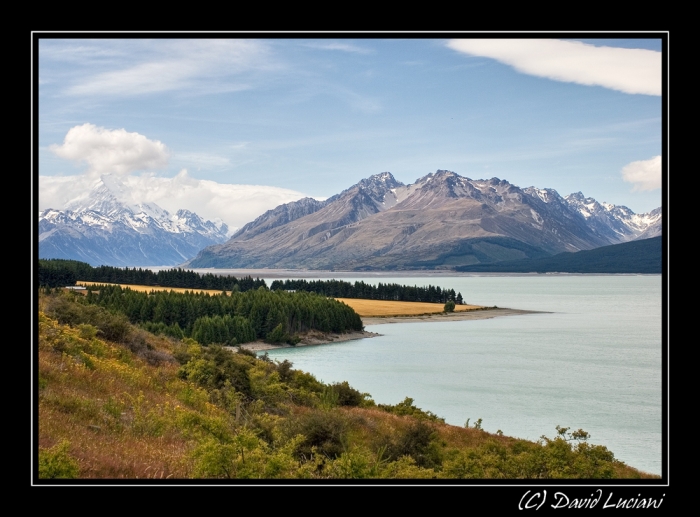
(642, 256)
(138, 406)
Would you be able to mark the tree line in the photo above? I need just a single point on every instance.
(274, 316)
(60, 273)
(396, 292)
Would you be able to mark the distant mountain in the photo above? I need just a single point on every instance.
(618, 223)
(443, 220)
(106, 227)
(643, 256)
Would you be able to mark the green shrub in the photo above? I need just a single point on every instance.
(217, 365)
(56, 463)
(416, 441)
(407, 408)
(347, 395)
(323, 431)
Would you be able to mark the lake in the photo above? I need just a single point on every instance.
(592, 360)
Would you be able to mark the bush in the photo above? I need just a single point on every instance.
(416, 441)
(407, 408)
(322, 430)
(450, 306)
(215, 366)
(56, 463)
(113, 327)
(284, 369)
(347, 395)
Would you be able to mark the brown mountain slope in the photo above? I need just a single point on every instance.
(441, 220)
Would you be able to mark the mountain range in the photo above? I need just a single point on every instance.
(107, 227)
(442, 220)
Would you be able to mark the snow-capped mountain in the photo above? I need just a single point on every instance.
(107, 227)
(442, 220)
(618, 222)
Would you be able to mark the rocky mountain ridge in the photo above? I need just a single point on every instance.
(442, 220)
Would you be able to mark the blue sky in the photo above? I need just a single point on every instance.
(232, 127)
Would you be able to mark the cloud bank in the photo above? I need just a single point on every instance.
(644, 174)
(111, 151)
(236, 205)
(121, 153)
(636, 71)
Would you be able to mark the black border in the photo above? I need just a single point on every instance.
(521, 494)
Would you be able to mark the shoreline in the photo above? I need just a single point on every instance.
(319, 338)
(310, 339)
(283, 273)
(477, 314)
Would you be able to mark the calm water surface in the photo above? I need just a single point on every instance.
(592, 362)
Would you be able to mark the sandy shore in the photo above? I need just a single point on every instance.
(319, 338)
(482, 314)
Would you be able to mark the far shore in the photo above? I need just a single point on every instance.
(320, 338)
(478, 314)
(273, 274)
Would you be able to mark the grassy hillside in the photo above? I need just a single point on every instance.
(642, 257)
(133, 405)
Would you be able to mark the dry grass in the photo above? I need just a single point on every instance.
(382, 308)
(122, 417)
(149, 288)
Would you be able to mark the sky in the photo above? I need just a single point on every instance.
(235, 126)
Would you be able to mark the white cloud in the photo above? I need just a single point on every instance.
(194, 65)
(57, 191)
(111, 150)
(623, 69)
(344, 47)
(236, 205)
(645, 174)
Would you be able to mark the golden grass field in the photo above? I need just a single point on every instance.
(149, 288)
(366, 308)
(379, 308)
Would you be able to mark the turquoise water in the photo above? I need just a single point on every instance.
(592, 362)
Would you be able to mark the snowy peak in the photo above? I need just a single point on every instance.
(368, 196)
(379, 182)
(586, 206)
(445, 186)
(108, 227)
(546, 195)
(375, 187)
(186, 221)
(618, 223)
(111, 198)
